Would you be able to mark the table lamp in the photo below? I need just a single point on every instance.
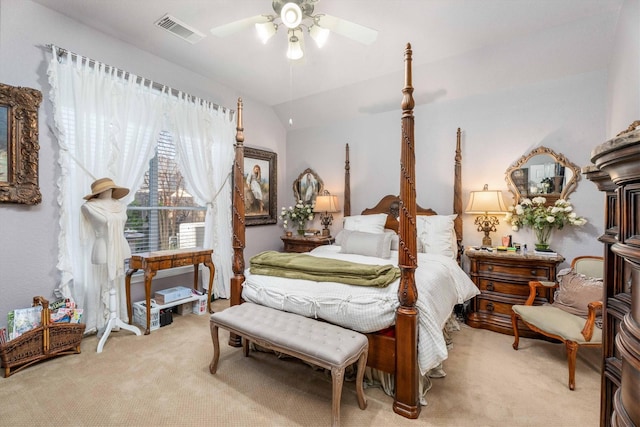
(483, 203)
(326, 205)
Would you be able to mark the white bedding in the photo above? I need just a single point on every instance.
(441, 284)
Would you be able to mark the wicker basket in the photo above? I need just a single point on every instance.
(47, 341)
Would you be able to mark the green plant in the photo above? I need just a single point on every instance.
(547, 185)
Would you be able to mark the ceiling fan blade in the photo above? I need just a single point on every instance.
(349, 29)
(233, 27)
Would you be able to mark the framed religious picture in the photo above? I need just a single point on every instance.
(19, 145)
(260, 185)
(307, 186)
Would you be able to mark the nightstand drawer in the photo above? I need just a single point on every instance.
(494, 307)
(508, 288)
(522, 272)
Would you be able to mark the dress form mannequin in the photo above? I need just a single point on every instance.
(106, 216)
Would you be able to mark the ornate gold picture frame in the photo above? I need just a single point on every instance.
(261, 182)
(19, 145)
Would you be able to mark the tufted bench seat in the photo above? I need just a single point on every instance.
(320, 343)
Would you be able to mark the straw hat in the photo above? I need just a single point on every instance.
(104, 184)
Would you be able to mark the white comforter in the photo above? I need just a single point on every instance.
(441, 284)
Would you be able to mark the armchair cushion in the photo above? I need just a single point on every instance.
(557, 322)
(576, 291)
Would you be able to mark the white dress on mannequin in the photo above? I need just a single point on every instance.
(107, 216)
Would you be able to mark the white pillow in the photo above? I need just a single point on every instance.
(368, 244)
(366, 223)
(395, 239)
(436, 235)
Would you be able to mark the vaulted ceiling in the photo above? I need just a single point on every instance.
(460, 48)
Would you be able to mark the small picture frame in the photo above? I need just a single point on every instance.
(260, 184)
(307, 186)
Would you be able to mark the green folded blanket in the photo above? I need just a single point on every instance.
(302, 266)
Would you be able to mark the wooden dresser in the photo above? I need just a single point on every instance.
(300, 244)
(616, 172)
(503, 279)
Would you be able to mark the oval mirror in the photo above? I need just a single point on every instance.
(542, 172)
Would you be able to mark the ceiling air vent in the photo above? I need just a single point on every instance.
(179, 29)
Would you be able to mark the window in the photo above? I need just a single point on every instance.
(163, 214)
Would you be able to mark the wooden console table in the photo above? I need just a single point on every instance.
(151, 262)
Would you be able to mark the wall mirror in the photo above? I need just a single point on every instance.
(307, 186)
(542, 172)
(19, 145)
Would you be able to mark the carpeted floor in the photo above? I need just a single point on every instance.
(163, 379)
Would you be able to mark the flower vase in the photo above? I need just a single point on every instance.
(301, 228)
(542, 237)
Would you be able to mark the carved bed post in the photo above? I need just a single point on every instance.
(238, 220)
(347, 184)
(457, 196)
(406, 402)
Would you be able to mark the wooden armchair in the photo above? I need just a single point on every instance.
(556, 321)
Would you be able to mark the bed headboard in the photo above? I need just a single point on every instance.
(390, 204)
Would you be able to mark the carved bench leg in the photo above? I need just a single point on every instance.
(337, 377)
(362, 364)
(213, 366)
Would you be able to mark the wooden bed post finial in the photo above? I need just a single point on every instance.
(238, 211)
(347, 184)
(457, 195)
(407, 100)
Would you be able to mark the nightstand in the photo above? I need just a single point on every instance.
(299, 244)
(503, 279)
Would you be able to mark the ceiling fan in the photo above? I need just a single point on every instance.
(297, 15)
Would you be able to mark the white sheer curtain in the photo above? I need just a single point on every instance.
(204, 144)
(107, 125)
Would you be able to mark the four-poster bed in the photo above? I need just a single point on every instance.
(395, 349)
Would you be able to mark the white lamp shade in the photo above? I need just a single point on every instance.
(294, 51)
(291, 15)
(327, 203)
(319, 34)
(486, 201)
(265, 31)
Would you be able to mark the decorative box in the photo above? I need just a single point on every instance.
(167, 296)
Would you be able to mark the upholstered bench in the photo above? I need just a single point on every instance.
(320, 343)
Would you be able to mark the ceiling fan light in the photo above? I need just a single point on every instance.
(319, 34)
(265, 31)
(291, 15)
(294, 51)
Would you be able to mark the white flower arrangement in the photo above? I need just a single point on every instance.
(298, 214)
(533, 213)
(542, 219)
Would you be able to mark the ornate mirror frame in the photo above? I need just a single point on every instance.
(19, 145)
(556, 178)
(307, 186)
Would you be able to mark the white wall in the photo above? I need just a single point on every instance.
(29, 234)
(624, 73)
(566, 115)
